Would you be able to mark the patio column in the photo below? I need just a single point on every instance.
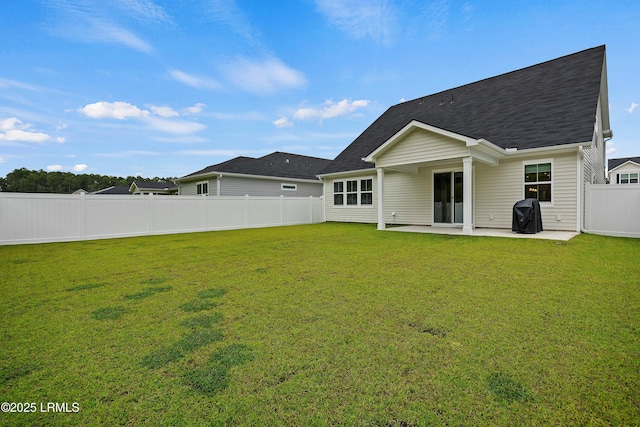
(381, 225)
(467, 192)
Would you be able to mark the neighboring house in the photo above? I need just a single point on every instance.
(116, 189)
(276, 174)
(624, 171)
(162, 188)
(464, 156)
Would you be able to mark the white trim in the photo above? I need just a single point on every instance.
(346, 174)
(624, 164)
(553, 177)
(244, 175)
(358, 192)
(414, 124)
(202, 193)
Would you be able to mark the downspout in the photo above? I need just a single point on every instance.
(581, 191)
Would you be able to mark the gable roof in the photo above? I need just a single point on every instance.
(544, 105)
(614, 163)
(277, 164)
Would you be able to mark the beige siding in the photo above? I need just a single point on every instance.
(363, 214)
(409, 196)
(422, 146)
(498, 188)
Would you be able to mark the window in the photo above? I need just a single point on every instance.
(338, 193)
(628, 178)
(289, 187)
(202, 188)
(537, 181)
(353, 192)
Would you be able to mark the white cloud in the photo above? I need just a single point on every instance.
(361, 19)
(249, 115)
(262, 77)
(632, 107)
(60, 139)
(610, 148)
(228, 13)
(195, 81)
(123, 110)
(86, 22)
(54, 168)
(114, 110)
(175, 126)
(1, 160)
(196, 109)
(79, 167)
(12, 129)
(282, 122)
(6, 83)
(164, 111)
(144, 10)
(331, 109)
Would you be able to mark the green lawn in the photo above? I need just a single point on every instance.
(327, 324)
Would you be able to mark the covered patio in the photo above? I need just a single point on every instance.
(485, 232)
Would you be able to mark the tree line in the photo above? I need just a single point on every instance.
(39, 181)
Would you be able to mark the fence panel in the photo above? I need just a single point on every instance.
(40, 218)
(613, 210)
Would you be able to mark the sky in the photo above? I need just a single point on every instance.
(163, 88)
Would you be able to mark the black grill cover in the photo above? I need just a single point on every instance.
(526, 217)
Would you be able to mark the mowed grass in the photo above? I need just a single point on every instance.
(328, 324)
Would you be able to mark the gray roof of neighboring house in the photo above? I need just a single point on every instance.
(118, 189)
(278, 164)
(548, 104)
(148, 185)
(614, 163)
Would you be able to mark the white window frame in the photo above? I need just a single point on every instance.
(629, 177)
(551, 182)
(199, 191)
(348, 190)
(292, 187)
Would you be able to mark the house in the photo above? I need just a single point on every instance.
(161, 188)
(624, 171)
(462, 157)
(276, 174)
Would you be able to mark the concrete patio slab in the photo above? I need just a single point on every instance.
(486, 232)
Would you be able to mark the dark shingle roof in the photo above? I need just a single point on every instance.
(278, 164)
(155, 185)
(614, 163)
(552, 103)
(117, 189)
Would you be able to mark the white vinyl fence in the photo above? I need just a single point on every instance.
(40, 218)
(612, 210)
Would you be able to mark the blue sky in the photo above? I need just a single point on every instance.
(165, 88)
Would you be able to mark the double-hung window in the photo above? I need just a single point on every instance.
(538, 181)
(202, 188)
(353, 192)
(628, 178)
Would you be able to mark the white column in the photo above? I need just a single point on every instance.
(467, 192)
(381, 225)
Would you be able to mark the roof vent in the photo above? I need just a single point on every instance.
(452, 101)
(442, 102)
(286, 161)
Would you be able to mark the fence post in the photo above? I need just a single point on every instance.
(310, 209)
(281, 209)
(150, 205)
(587, 207)
(246, 210)
(83, 215)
